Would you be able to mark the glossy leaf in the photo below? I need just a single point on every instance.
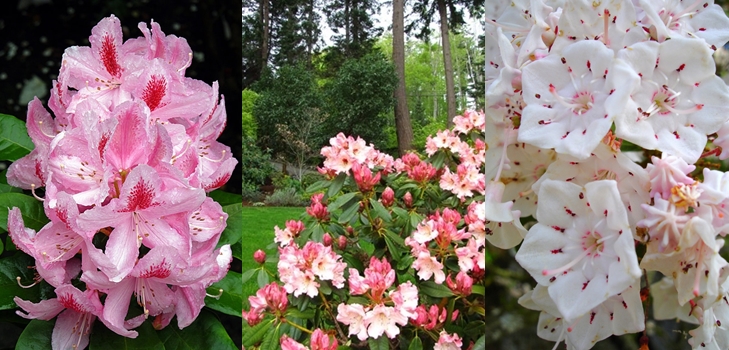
(234, 225)
(225, 198)
(435, 290)
(30, 208)
(103, 338)
(340, 201)
(336, 185)
(381, 211)
(206, 332)
(416, 344)
(253, 335)
(10, 268)
(381, 343)
(14, 140)
(231, 301)
(36, 335)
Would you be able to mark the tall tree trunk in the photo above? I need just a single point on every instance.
(265, 33)
(402, 114)
(447, 64)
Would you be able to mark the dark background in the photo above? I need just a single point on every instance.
(35, 33)
(32, 41)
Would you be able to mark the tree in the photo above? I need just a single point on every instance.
(286, 97)
(359, 97)
(403, 125)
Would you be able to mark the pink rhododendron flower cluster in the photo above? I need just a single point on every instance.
(570, 85)
(125, 161)
(418, 242)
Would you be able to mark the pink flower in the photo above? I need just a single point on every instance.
(427, 267)
(322, 341)
(384, 320)
(353, 315)
(448, 342)
(290, 344)
(259, 256)
(463, 284)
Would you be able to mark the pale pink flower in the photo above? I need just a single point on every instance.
(384, 320)
(353, 315)
(448, 341)
(427, 267)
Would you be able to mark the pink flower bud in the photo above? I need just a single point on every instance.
(259, 256)
(295, 227)
(342, 242)
(408, 198)
(388, 197)
(463, 284)
(327, 240)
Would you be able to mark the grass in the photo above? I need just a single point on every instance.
(258, 223)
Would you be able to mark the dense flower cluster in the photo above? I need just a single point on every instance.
(125, 163)
(567, 83)
(383, 200)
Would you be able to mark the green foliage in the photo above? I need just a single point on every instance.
(359, 98)
(14, 139)
(256, 167)
(286, 197)
(249, 124)
(421, 133)
(287, 97)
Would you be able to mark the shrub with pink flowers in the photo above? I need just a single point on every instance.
(121, 234)
(391, 251)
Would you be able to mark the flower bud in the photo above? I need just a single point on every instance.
(388, 197)
(408, 198)
(342, 242)
(327, 240)
(463, 284)
(259, 256)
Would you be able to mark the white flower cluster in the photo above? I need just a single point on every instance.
(567, 83)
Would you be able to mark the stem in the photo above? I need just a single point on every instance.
(342, 336)
(297, 326)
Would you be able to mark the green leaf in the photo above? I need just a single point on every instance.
(416, 344)
(10, 268)
(103, 338)
(317, 186)
(435, 290)
(336, 185)
(438, 159)
(237, 250)
(206, 332)
(234, 225)
(480, 344)
(415, 219)
(400, 212)
(348, 213)
(14, 140)
(31, 210)
(478, 289)
(317, 233)
(225, 198)
(381, 343)
(381, 211)
(262, 278)
(271, 340)
(248, 274)
(231, 301)
(393, 247)
(36, 335)
(254, 334)
(296, 313)
(340, 201)
(4, 187)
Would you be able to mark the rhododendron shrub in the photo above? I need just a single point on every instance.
(390, 251)
(600, 118)
(120, 171)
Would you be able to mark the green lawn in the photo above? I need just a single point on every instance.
(258, 223)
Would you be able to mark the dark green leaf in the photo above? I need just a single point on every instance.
(435, 290)
(30, 208)
(325, 288)
(103, 338)
(393, 247)
(340, 201)
(234, 225)
(254, 334)
(36, 335)
(317, 233)
(336, 185)
(416, 344)
(348, 213)
(225, 198)
(206, 332)
(395, 238)
(381, 211)
(4, 187)
(237, 250)
(307, 314)
(438, 159)
(317, 186)
(231, 301)
(10, 268)
(271, 340)
(262, 278)
(381, 343)
(14, 140)
(415, 219)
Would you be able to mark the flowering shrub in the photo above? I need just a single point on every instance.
(125, 164)
(391, 251)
